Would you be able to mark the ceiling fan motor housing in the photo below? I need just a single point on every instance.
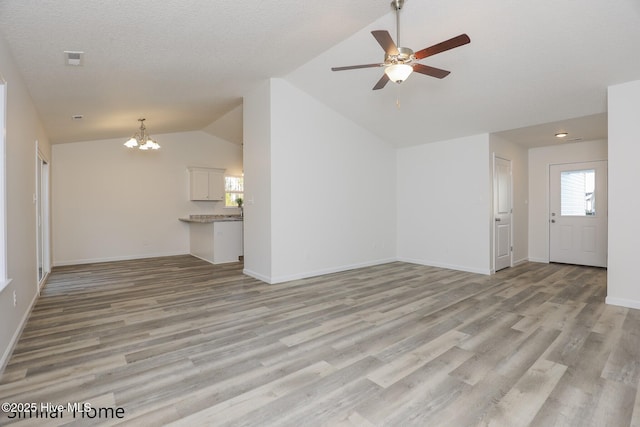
(404, 56)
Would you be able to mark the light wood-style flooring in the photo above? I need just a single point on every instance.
(178, 341)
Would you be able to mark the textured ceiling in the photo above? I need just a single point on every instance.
(528, 63)
(181, 64)
(185, 64)
(585, 128)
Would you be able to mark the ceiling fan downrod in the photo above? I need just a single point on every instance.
(397, 5)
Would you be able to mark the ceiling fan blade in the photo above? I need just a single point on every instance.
(383, 81)
(384, 38)
(430, 71)
(355, 67)
(457, 41)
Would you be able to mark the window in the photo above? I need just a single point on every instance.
(233, 190)
(577, 193)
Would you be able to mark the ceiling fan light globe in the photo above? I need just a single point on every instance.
(398, 72)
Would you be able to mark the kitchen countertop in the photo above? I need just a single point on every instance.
(204, 219)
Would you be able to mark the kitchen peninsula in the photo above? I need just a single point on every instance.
(215, 238)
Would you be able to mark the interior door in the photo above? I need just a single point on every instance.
(578, 213)
(502, 211)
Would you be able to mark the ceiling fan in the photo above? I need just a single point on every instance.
(400, 62)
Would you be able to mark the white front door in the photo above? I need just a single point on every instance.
(578, 213)
(502, 213)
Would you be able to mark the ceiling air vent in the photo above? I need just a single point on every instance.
(74, 58)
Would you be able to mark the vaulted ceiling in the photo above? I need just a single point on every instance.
(183, 65)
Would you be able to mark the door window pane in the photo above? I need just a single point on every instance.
(577, 197)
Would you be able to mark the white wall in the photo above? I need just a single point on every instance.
(444, 204)
(228, 127)
(623, 284)
(539, 161)
(23, 128)
(520, 172)
(113, 203)
(257, 182)
(332, 189)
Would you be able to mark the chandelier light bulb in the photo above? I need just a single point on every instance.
(131, 143)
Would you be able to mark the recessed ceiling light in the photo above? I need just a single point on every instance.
(561, 134)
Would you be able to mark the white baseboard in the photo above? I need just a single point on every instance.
(118, 258)
(258, 276)
(623, 302)
(321, 272)
(16, 336)
(542, 260)
(485, 271)
(520, 261)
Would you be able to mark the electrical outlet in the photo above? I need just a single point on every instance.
(15, 299)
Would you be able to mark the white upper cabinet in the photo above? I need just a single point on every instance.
(206, 184)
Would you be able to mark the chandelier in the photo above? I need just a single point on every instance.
(141, 139)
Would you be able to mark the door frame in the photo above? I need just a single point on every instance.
(42, 196)
(493, 202)
(4, 278)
